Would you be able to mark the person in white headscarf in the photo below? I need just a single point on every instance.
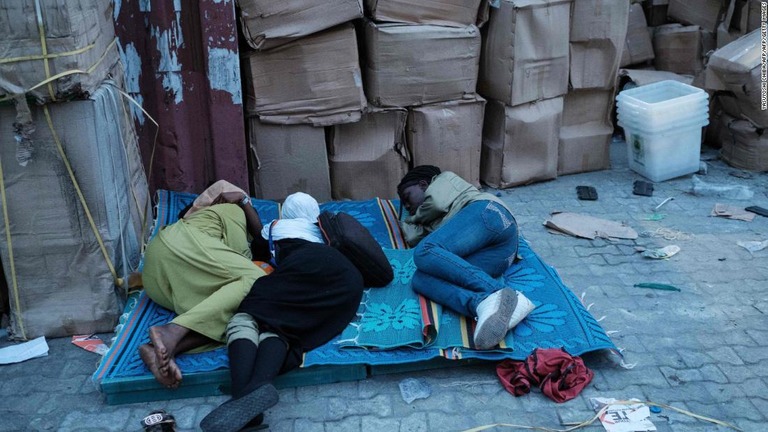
(311, 297)
(299, 220)
(301, 206)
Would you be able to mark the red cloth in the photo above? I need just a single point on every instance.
(559, 375)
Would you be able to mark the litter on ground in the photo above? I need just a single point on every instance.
(24, 351)
(589, 227)
(732, 212)
(662, 253)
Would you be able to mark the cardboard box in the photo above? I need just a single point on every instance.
(587, 129)
(743, 145)
(584, 148)
(65, 286)
(525, 51)
(455, 13)
(368, 158)
(266, 24)
(738, 65)
(82, 28)
(588, 106)
(713, 130)
(639, 46)
(315, 80)
(678, 49)
(741, 17)
(656, 12)
(410, 65)
(708, 43)
(703, 13)
(641, 77)
(520, 143)
(598, 33)
(287, 159)
(448, 135)
(740, 108)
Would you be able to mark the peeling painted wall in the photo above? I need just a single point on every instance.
(224, 73)
(182, 65)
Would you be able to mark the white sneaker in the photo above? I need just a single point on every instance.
(493, 316)
(522, 309)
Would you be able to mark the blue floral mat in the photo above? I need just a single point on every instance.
(394, 326)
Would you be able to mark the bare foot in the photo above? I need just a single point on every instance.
(164, 340)
(149, 357)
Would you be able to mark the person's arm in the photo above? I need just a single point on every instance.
(253, 224)
(259, 245)
(413, 233)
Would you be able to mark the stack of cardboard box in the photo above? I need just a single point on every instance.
(740, 125)
(598, 33)
(406, 84)
(303, 74)
(412, 102)
(524, 74)
(430, 70)
(78, 145)
(675, 34)
(422, 66)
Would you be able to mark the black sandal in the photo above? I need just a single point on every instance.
(235, 414)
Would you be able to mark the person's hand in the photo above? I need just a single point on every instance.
(229, 198)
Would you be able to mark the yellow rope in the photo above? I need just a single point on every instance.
(600, 413)
(44, 46)
(14, 281)
(48, 56)
(118, 281)
(51, 79)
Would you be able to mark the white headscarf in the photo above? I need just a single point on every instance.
(300, 212)
(301, 206)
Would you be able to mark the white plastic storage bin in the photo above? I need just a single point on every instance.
(661, 156)
(662, 124)
(662, 98)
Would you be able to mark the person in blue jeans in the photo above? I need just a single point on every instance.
(464, 240)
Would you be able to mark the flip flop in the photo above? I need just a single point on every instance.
(234, 414)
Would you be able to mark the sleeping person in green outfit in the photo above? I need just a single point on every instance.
(201, 268)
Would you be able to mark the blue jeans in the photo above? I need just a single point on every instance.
(457, 265)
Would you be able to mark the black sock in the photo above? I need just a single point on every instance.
(242, 356)
(269, 360)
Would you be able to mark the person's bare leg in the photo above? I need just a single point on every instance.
(171, 339)
(148, 356)
(164, 339)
